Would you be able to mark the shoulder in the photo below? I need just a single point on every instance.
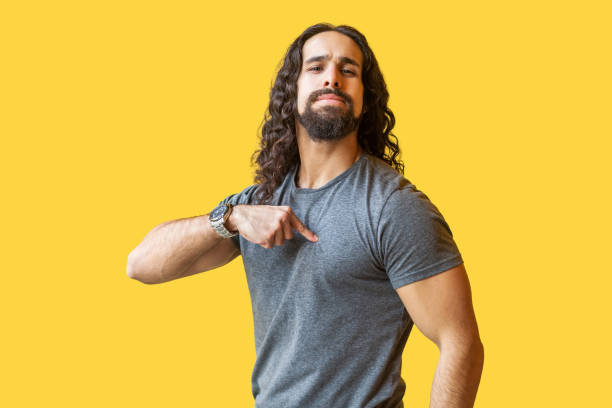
(389, 188)
(246, 196)
(409, 213)
(399, 201)
(409, 200)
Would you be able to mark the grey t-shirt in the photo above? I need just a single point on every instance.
(329, 326)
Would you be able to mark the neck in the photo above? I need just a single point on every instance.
(321, 162)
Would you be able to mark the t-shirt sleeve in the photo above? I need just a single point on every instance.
(246, 196)
(415, 241)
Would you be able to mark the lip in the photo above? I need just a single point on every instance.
(330, 97)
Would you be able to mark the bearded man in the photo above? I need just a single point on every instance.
(333, 305)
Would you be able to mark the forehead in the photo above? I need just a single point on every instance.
(331, 43)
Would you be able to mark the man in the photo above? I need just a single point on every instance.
(333, 305)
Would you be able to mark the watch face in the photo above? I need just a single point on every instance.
(218, 213)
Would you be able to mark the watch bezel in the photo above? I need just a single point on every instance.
(219, 212)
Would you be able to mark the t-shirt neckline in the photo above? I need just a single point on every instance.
(330, 183)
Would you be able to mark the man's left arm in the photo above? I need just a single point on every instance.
(441, 307)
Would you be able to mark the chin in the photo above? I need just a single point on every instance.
(331, 109)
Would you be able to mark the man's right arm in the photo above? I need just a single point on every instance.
(180, 248)
(188, 246)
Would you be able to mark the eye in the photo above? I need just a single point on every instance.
(318, 68)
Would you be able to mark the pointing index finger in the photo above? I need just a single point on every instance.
(301, 228)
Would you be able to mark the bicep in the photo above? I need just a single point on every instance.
(221, 254)
(441, 306)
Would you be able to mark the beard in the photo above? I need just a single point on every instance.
(328, 122)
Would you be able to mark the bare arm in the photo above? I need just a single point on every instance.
(187, 246)
(169, 250)
(457, 375)
(441, 307)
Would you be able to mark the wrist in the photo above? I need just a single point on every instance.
(231, 222)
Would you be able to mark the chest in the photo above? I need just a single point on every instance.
(341, 262)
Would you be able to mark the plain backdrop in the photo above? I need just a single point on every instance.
(118, 115)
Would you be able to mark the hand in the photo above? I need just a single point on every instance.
(267, 225)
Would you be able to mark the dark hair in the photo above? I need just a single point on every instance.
(279, 152)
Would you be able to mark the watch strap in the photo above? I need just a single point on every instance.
(219, 225)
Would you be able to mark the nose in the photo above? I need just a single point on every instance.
(332, 78)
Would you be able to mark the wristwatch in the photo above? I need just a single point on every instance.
(217, 218)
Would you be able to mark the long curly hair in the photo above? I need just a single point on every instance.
(279, 152)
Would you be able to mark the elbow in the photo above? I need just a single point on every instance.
(477, 346)
(478, 356)
(130, 266)
(465, 344)
(135, 271)
(476, 352)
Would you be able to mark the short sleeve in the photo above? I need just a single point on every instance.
(243, 197)
(415, 242)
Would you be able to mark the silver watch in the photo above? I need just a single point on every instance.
(217, 218)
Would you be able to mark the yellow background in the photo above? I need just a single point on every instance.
(117, 116)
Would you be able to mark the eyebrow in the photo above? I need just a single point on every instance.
(344, 60)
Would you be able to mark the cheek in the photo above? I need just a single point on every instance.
(300, 103)
(302, 96)
(359, 104)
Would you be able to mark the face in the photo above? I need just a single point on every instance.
(330, 88)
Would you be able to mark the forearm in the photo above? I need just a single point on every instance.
(457, 376)
(170, 248)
